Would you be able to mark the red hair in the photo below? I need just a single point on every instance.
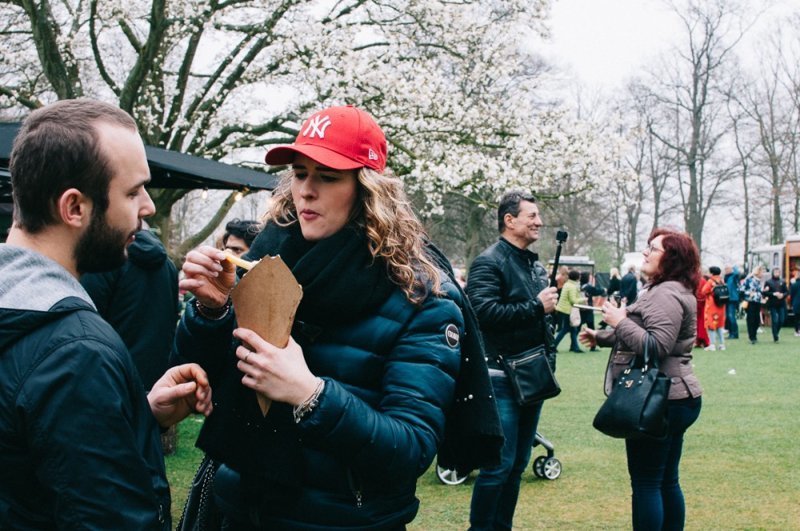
(680, 260)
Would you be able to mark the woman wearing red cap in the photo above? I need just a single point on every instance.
(361, 390)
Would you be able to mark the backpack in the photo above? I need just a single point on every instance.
(721, 294)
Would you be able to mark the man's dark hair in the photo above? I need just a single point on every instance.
(509, 204)
(574, 274)
(246, 229)
(57, 148)
(584, 277)
(714, 270)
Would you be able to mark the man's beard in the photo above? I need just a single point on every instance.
(101, 248)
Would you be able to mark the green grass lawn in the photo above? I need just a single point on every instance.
(740, 467)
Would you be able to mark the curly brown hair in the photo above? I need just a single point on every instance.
(393, 231)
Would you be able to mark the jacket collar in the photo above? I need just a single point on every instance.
(522, 252)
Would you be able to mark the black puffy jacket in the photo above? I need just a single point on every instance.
(502, 286)
(352, 463)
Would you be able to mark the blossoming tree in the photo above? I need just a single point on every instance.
(452, 83)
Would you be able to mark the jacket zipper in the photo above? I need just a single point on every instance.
(354, 488)
(514, 363)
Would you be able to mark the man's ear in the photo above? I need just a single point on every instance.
(74, 208)
(508, 221)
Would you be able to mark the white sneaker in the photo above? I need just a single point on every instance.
(710, 348)
(797, 334)
(722, 347)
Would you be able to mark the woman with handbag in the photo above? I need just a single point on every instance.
(361, 390)
(665, 315)
(567, 314)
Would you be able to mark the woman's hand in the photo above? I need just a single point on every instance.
(588, 337)
(280, 374)
(208, 276)
(613, 315)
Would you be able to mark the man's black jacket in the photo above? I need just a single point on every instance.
(502, 286)
(773, 286)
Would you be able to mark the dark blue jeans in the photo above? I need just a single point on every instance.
(494, 495)
(563, 319)
(731, 309)
(657, 500)
(777, 315)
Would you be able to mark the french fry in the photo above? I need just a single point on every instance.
(238, 262)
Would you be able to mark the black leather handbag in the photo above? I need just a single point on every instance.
(200, 512)
(531, 376)
(637, 405)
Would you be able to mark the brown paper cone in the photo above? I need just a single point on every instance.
(265, 301)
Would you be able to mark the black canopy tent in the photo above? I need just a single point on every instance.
(168, 169)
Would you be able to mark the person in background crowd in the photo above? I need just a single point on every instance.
(775, 291)
(628, 286)
(508, 288)
(360, 392)
(460, 277)
(714, 314)
(590, 290)
(140, 300)
(702, 339)
(562, 275)
(613, 282)
(753, 298)
(733, 280)
(794, 293)
(239, 235)
(612, 292)
(570, 296)
(80, 438)
(664, 316)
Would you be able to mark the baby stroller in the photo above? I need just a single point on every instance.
(544, 466)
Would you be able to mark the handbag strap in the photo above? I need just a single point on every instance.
(650, 353)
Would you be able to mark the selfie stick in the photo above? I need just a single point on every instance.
(561, 237)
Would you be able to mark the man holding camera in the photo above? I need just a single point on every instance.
(508, 288)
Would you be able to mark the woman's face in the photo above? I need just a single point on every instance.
(323, 197)
(652, 256)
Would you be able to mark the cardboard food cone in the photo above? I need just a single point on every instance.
(265, 301)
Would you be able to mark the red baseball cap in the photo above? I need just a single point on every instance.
(342, 138)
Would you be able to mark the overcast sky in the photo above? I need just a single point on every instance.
(603, 42)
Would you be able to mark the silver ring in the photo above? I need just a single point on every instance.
(248, 355)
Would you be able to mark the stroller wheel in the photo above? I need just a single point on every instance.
(551, 468)
(538, 466)
(450, 477)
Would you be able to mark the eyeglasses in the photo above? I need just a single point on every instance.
(650, 249)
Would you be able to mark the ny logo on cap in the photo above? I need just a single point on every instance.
(316, 126)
